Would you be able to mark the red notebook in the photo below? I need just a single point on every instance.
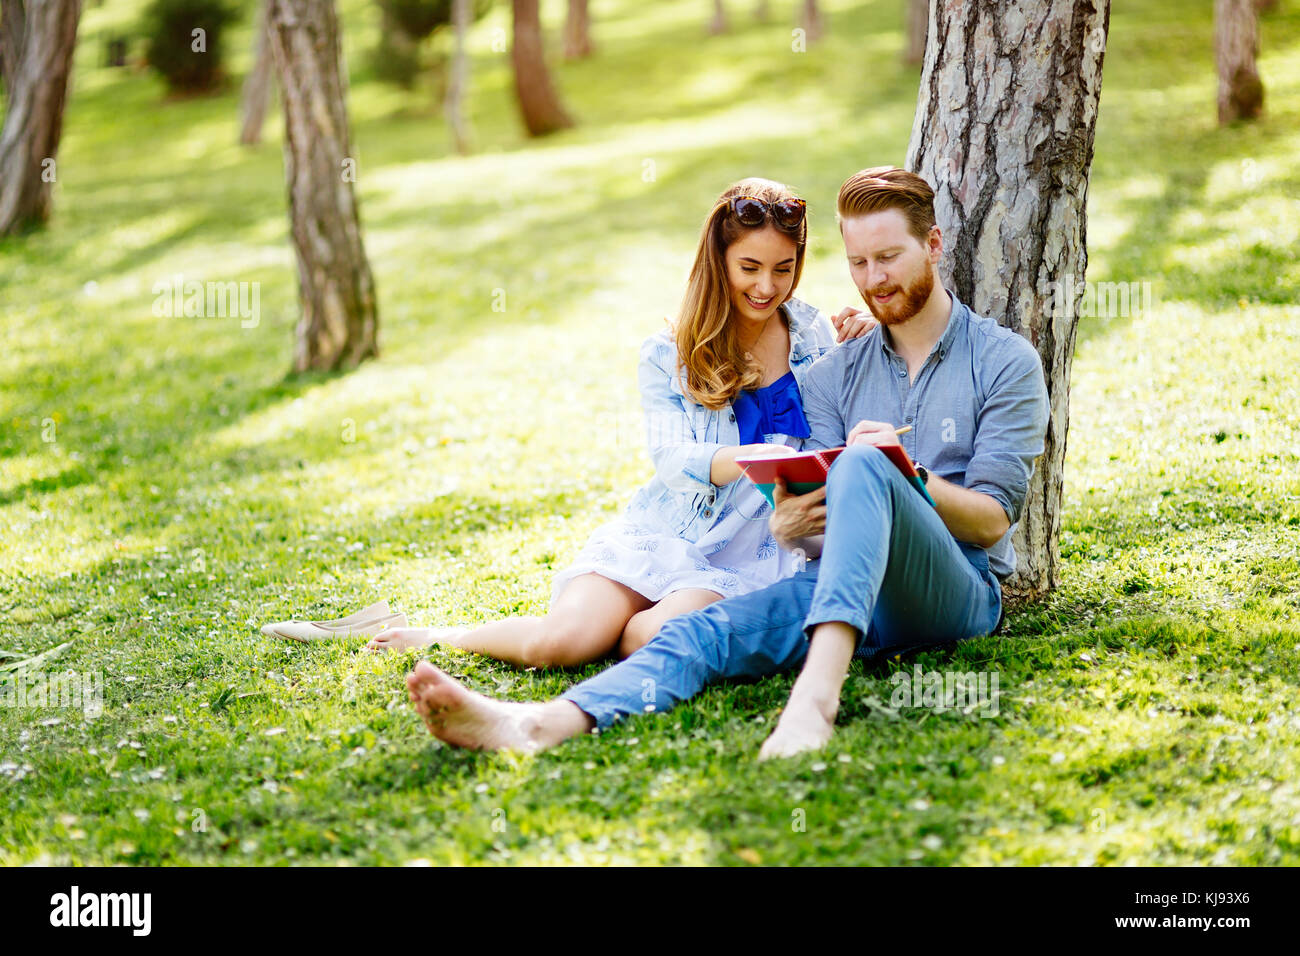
(806, 471)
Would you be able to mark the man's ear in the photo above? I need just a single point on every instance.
(935, 243)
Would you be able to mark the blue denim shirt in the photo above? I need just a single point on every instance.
(683, 436)
(978, 408)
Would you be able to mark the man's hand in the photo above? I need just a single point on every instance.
(797, 516)
(852, 323)
(867, 432)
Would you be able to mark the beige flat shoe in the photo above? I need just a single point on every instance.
(377, 610)
(307, 631)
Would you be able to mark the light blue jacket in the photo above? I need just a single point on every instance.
(683, 435)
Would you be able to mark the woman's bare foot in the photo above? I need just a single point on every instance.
(802, 727)
(458, 716)
(401, 638)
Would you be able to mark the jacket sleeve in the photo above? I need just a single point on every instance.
(680, 461)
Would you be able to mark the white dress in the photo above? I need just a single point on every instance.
(736, 555)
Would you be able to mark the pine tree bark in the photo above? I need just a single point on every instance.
(918, 22)
(1004, 130)
(458, 86)
(257, 86)
(339, 324)
(539, 104)
(1236, 48)
(577, 31)
(38, 38)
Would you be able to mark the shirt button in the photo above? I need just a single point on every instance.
(733, 416)
(909, 418)
(708, 512)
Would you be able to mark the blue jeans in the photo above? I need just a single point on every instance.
(889, 567)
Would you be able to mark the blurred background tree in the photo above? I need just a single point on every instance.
(338, 326)
(917, 16)
(458, 82)
(37, 41)
(718, 24)
(539, 103)
(185, 42)
(577, 31)
(257, 85)
(1236, 49)
(810, 19)
(405, 26)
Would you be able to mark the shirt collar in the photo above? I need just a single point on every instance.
(956, 319)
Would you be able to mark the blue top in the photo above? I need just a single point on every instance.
(772, 409)
(684, 436)
(978, 407)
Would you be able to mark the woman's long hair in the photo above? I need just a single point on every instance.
(709, 353)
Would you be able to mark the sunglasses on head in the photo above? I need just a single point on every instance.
(751, 211)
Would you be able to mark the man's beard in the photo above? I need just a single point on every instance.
(905, 304)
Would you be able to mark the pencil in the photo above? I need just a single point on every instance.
(903, 431)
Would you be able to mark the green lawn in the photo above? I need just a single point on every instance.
(165, 488)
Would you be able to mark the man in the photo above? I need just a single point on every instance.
(889, 571)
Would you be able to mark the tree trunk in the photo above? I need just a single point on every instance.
(36, 90)
(400, 50)
(762, 11)
(719, 22)
(1236, 46)
(577, 31)
(339, 325)
(538, 101)
(1004, 131)
(257, 86)
(918, 22)
(811, 21)
(13, 18)
(459, 83)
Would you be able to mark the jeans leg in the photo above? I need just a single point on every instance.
(750, 635)
(891, 568)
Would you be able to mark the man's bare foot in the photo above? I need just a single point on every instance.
(802, 727)
(458, 716)
(401, 638)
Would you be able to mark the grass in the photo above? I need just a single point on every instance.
(165, 487)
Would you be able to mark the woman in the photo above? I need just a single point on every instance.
(722, 383)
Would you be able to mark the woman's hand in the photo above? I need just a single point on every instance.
(796, 516)
(867, 432)
(753, 451)
(724, 469)
(852, 323)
